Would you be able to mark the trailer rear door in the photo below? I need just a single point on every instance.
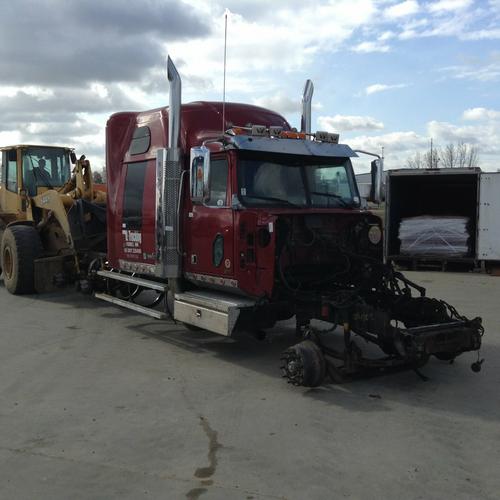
(489, 223)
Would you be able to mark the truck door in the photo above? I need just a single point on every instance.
(209, 229)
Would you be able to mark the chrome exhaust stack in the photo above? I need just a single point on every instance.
(305, 122)
(169, 177)
(174, 110)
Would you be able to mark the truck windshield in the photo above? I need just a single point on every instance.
(285, 180)
(45, 167)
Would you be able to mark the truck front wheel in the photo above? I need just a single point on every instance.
(20, 247)
(304, 364)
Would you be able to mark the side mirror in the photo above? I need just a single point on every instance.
(377, 170)
(199, 174)
(72, 157)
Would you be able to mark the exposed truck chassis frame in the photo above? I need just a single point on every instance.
(407, 329)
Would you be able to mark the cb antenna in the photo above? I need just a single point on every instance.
(224, 78)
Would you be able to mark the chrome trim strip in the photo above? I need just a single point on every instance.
(153, 285)
(212, 280)
(137, 267)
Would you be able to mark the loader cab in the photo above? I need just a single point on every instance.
(28, 171)
(44, 168)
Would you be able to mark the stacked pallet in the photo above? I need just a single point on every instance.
(440, 236)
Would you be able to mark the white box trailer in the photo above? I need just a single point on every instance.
(453, 192)
(488, 237)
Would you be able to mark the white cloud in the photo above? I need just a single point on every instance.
(392, 142)
(287, 40)
(381, 87)
(484, 135)
(367, 47)
(344, 123)
(482, 72)
(386, 35)
(10, 137)
(31, 90)
(487, 34)
(401, 145)
(396, 146)
(402, 9)
(481, 114)
(282, 103)
(444, 6)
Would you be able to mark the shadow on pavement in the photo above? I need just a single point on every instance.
(450, 388)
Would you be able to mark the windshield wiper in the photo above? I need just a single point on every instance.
(333, 195)
(271, 198)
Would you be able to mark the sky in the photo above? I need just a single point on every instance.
(388, 74)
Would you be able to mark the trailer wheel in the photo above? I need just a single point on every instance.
(304, 364)
(21, 245)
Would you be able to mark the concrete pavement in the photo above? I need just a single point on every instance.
(101, 403)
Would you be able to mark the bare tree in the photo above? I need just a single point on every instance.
(415, 161)
(427, 160)
(97, 177)
(448, 156)
(431, 159)
(104, 174)
(461, 155)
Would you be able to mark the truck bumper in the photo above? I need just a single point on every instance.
(444, 340)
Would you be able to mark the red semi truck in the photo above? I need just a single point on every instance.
(227, 219)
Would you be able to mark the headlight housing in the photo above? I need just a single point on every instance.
(375, 234)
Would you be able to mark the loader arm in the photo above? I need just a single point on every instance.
(52, 203)
(81, 184)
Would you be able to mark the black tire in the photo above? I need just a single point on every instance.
(21, 245)
(304, 364)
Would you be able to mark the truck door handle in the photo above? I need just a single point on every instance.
(198, 313)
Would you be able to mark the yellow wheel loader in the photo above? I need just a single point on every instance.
(52, 217)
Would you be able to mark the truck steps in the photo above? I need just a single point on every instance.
(142, 283)
(127, 278)
(131, 305)
(205, 309)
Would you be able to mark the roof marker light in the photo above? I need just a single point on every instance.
(259, 130)
(322, 136)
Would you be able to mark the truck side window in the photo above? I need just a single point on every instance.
(133, 195)
(11, 175)
(218, 183)
(141, 140)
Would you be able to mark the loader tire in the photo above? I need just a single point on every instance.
(20, 247)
